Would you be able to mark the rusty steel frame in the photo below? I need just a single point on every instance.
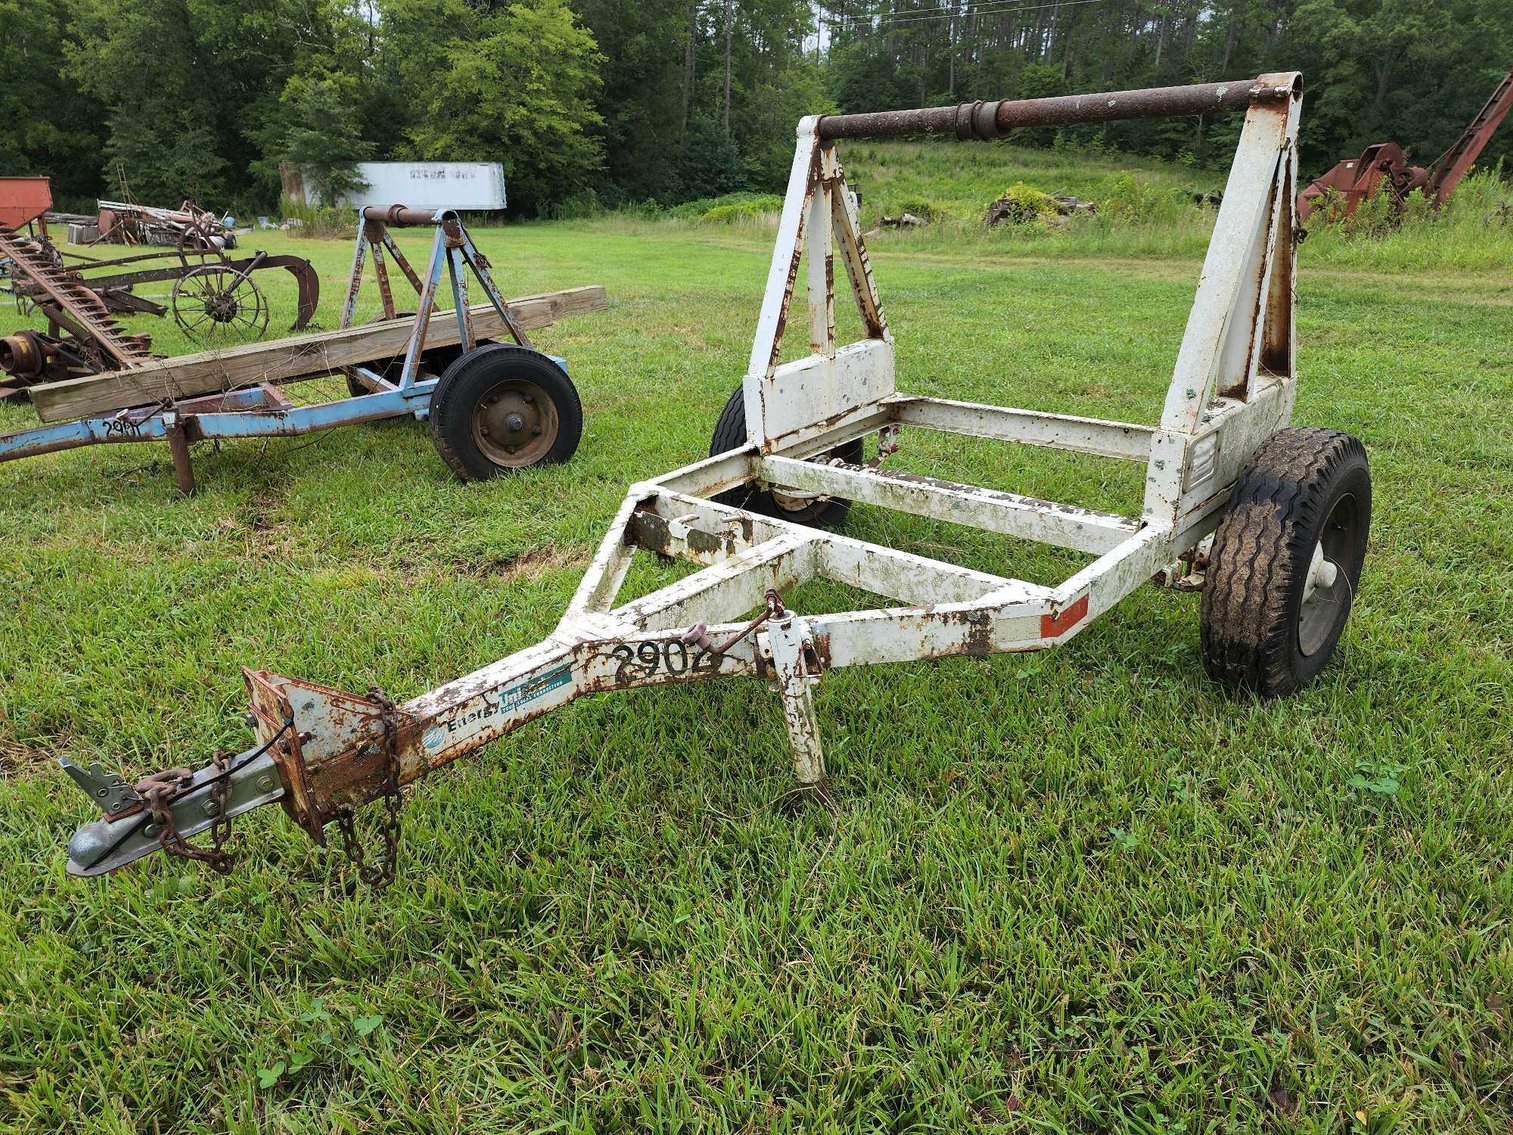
(1233, 385)
(115, 289)
(69, 304)
(454, 248)
(63, 289)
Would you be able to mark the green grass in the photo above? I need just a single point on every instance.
(1144, 210)
(964, 180)
(1076, 891)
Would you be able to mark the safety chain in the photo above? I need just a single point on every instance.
(380, 874)
(698, 634)
(158, 792)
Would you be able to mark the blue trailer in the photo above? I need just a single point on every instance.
(494, 403)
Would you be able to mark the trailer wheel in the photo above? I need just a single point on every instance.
(819, 512)
(1286, 562)
(502, 408)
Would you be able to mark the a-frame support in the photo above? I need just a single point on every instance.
(452, 248)
(819, 217)
(1238, 347)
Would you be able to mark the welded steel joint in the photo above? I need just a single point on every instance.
(977, 121)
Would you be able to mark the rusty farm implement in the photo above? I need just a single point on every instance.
(214, 298)
(495, 404)
(1384, 168)
(1287, 511)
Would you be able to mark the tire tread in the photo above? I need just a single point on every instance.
(730, 433)
(1268, 531)
(451, 387)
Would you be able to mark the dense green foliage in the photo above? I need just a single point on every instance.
(1412, 71)
(585, 104)
(594, 103)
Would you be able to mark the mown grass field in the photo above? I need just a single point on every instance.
(1079, 891)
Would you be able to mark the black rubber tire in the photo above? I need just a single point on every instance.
(823, 512)
(1305, 488)
(462, 389)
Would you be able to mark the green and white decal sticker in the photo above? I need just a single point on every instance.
(474, 721)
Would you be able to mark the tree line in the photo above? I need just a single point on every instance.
(600, 103)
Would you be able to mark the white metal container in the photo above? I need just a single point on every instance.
(470, 186)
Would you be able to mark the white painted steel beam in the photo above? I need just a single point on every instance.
(1225, 328)
(1062, 525)
(1120, 440)
(889, 572)
(726, 590)
(710, 477)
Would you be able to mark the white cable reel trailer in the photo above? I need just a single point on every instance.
(1287, 511)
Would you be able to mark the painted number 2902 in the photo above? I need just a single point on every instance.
(673, 657)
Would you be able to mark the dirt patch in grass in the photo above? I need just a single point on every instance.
(16, 756)
(532, 563)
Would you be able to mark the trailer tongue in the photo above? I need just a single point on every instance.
(1291, 509)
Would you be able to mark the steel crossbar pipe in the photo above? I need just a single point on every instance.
(987, 120)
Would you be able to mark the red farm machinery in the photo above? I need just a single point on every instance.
(1383, 167)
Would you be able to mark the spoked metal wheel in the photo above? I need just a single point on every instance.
(215, 302)
(1286, 561)
(500, 408)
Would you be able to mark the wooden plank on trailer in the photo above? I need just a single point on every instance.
(285, 359)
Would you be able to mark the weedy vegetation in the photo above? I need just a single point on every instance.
(1079, 891)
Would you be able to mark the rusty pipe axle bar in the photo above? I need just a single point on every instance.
(400, 216)
(984, 121)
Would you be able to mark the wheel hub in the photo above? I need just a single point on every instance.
(1321, 573)
(1326, 587)
(222, 307)
(515, 423)
(214, 301)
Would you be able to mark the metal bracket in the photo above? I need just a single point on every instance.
(334, 752)
(795, 664)
(108, 790)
